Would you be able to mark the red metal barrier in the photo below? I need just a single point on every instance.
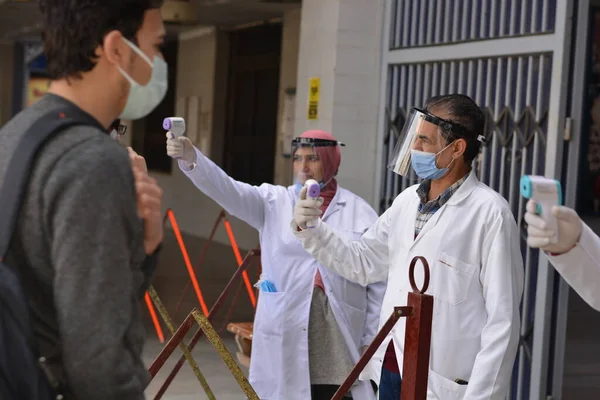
(419, 313)
(236, 251)
(179, 335)
(207, 244)
(186, 259)
(170, 216)
(159, 332)
(417, 341)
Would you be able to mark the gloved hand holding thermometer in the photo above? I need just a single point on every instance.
(313, 190)
(179, 146)
(307, 209)
(546, 193)
(552, 227)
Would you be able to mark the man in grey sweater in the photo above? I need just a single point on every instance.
(90, 228)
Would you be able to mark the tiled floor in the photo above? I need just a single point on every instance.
(582, 360)
(186, 386)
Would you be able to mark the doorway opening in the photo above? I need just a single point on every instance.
(252, 103)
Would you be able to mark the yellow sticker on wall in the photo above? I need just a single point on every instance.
(314, 89)
(36, 89)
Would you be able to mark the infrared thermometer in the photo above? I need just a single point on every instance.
(175, 127)
(546, 193)
(313, 190)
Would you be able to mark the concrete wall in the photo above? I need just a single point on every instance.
(6, 81)
(341, 43)
(288, 77)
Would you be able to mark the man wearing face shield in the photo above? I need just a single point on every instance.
(468, 235)
(310, 324)
(90, 227)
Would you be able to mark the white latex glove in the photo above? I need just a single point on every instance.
(181, 148)
(538, 234)
(306, 209)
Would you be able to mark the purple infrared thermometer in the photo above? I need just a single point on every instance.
(175, 127)
(313, 192)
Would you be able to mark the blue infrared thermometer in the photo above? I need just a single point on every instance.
(546, 193)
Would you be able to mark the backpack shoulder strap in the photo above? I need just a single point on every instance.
(20, 165)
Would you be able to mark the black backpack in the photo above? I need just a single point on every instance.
(24, 373)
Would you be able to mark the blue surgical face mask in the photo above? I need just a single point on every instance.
(425, 166)
(143, 99)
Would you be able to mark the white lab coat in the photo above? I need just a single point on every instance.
(580, 267)
(279, 364)
(472, 246)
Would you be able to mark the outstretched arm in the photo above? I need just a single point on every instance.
(576, 253)
(237, 198)
(363, 261)
(580, 267)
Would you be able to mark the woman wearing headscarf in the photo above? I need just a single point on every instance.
(311, 324)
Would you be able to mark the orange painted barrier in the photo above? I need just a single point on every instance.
(170, 216)
(236, 251)
(186, 259)
(159, 332)
(178, 335)
(238, 257)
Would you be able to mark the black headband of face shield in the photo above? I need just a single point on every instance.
(458, 130)
(300, 141)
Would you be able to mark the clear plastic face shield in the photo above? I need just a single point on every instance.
(307, 164)
(422, 144)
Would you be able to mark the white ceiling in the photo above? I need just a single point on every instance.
(20, 19)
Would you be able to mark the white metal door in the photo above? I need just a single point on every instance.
(512, 57)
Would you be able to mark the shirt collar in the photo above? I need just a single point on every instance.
(423, 191)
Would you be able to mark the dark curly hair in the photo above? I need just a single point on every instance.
(73, 29)
(463, 111)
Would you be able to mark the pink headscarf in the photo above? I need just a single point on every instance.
(331, 158)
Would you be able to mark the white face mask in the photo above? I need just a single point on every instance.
(143, 99)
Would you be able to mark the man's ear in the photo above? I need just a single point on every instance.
(114, 48)
(460, 146)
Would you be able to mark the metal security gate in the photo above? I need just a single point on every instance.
(512, 57)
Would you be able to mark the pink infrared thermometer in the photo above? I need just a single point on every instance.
(313, 191)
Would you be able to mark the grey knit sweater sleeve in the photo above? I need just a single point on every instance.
(89, 210)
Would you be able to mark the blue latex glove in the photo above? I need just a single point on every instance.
(267, 286)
